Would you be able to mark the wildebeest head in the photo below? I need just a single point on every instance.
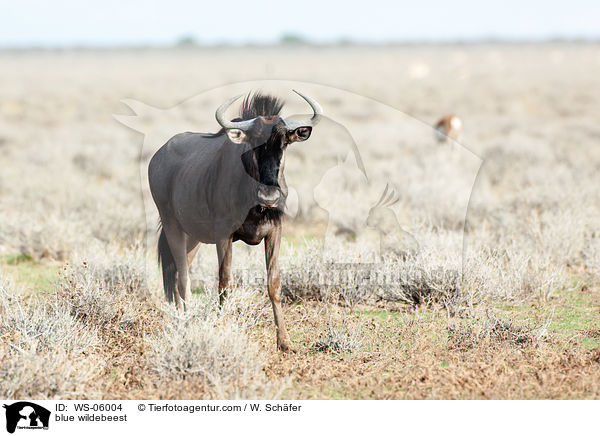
(267, 135)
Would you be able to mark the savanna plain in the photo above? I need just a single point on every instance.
(514, 313)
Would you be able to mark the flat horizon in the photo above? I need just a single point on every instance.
(184, 43)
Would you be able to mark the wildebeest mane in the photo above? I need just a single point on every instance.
(259, 104)
(255, 105)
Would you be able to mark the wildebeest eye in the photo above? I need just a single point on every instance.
(236, 135)
(302, 133)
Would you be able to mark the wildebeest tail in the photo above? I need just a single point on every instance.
(169, 270)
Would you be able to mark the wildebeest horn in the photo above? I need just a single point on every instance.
(241, 125)
(317, 112)
(388, 198)
(380, 201)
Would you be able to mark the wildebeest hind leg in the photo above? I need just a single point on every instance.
(178, 243)
(191, 248)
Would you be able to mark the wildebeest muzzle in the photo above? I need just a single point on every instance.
(269, 196)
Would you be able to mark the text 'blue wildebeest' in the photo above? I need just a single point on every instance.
(223, 187)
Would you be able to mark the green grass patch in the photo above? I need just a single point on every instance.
(572, 312)
(15, 259)
(382, 315)
(578, 311)
(30, 275)
(591, 343)
(200, 291)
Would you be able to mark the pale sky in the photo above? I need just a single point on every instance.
(133, 22)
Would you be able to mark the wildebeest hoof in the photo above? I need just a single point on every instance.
(285, 347)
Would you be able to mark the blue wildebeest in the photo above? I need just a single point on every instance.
(226, 186)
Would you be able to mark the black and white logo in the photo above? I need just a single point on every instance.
(26, 415)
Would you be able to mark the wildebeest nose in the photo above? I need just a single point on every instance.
(268, 196)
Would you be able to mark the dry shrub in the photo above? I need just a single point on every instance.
(301, 268)
(493, 331)
(513, 269)
(38, 239)
(211, 350)
(91, 336)
(592, 333)
(41, 327)
(113, 294)
(418, 283)
(111, 290)
(51, 375)
(105, 335)
(339, 338)
(414, 279)
(591, 256)
(45, 352)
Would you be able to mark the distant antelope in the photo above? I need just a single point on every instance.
(449, 126)
(392, 239)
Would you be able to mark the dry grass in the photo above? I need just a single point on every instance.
(44, 351)
(414, 355)
(516, 317)
(208, 352)
(342, 338)
(493, 331)
(104, 335)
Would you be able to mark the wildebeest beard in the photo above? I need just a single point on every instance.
(263, 162)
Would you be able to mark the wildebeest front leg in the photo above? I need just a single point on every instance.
(224, 248)
(272, 242)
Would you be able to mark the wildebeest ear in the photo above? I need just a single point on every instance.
(236, 135)
(300, 134)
